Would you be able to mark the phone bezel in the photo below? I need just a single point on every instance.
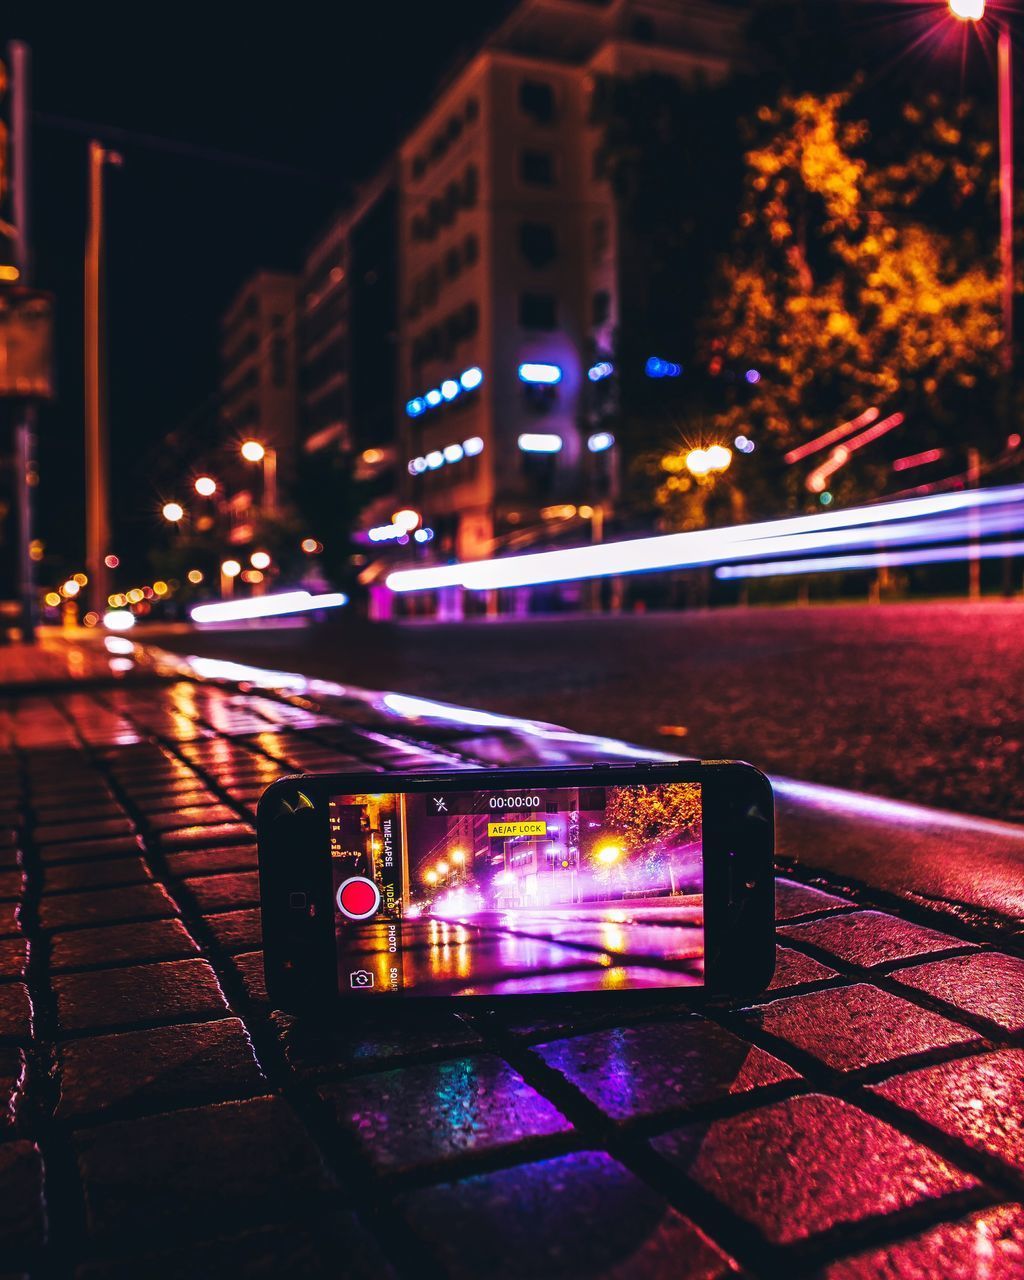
(738, 827)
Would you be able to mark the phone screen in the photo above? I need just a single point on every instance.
(524, 892)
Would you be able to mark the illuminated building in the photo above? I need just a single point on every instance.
(347, 346)
(258, 383)
(512, 263)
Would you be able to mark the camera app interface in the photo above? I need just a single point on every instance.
(521, 892)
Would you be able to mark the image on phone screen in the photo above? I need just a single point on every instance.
(537, 890)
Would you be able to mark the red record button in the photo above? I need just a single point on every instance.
(358, 898)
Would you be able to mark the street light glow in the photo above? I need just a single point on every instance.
(231, 568)
(173, 512)
(967, 10)
(253, 451)
(260, 560)
(206, 486)
(609, 855)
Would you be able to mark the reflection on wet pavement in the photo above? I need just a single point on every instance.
(616, 946)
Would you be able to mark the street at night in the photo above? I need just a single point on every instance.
(512, 641)
(917, 701)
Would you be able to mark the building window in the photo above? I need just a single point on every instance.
(599, 239)
(537, 100)
(642, 29)
(538, 311)
(470, 250)
(537, 243)
(537, 168)
(470, 185)
(601, 307)
(472, 110)
(419, 166)
(452, 264)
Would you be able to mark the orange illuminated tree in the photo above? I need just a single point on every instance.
(863, 273)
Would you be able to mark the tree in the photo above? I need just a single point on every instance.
(863, 274)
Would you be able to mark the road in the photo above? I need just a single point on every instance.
(918, 701)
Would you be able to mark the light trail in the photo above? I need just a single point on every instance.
(830, 437)
(886, 521)
(871, 560)
(275, 606)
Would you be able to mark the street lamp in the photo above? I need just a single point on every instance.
(206, 486)
(974, 11)
(229, 571)
(967, 10)
(254, 451)
(173, 512)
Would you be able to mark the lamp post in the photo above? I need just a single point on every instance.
(97, 445)
(974, 11)
(254, 451)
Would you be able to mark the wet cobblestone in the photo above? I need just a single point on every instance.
(159, 1117)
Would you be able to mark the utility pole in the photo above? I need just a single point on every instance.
(19, 60)
(97, 443)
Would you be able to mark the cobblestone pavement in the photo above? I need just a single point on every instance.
(160, 1118)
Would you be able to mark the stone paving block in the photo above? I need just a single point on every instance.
(630, 1072)
(75, 876)
(106, 906)
(237, 930)
(170, 990)
(90, 850)
(121, 944)
(48, 833)
(194, 862)
(9, 927)
(223, 892)
(804, 1165)
(12, 1085)
(157, 1069)
(869, 938)
(987, 1245)
(15, 1012)
(793, 968)
(577, 1215)
(22, 1210)
(13, 958)
(849, 1028)
(12, 885)
(322, 1047)
(249, 967)
(979, 1100)
(202, 1172)
(988, 984)
(211, 815)
(424, 1114)
(336, 1245)
(199, 837)
(793, 899)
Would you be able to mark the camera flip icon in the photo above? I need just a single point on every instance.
(361, 979)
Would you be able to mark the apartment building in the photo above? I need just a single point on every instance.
(258, 366)
(348, 342)
(511, 263)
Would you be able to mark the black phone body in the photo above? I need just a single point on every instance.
(486, 885)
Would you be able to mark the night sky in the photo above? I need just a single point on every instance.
(240, 136)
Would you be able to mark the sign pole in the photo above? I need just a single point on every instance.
(24, 414)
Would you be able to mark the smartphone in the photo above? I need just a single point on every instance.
(498, 885)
